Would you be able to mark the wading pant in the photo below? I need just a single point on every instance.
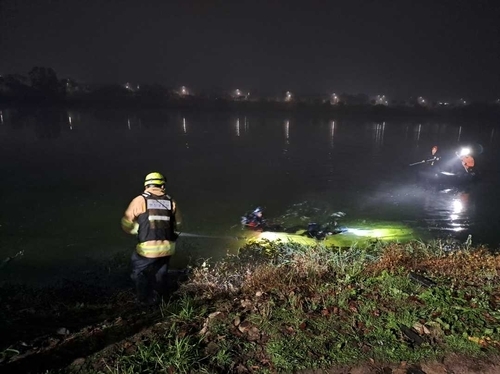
(150, 277)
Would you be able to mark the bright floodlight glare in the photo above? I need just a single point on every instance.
(457, 206)
(377, 233)
(381, 232)
(271, 236)
(360, 232)
(464, 151)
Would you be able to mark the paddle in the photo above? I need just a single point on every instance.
(422, 162)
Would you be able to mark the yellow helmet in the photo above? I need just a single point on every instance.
(154, 178)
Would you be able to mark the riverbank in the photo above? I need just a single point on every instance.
(274, 307)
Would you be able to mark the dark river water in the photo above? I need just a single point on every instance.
(67, 177)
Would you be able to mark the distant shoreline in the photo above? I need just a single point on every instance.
(377, 112)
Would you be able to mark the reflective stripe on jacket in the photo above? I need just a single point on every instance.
(150, 250)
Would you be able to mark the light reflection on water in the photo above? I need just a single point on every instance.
(456, 212)
(79, 171)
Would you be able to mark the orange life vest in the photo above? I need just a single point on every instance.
(467, 162)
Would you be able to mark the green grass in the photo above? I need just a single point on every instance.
(283, 307)
(166, 354)
(370, 309)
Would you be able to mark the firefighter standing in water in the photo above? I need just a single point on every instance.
(153, 216)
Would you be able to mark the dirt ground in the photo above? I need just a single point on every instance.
(452, 364)
(91, 348)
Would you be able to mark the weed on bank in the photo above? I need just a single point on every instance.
(283, 307)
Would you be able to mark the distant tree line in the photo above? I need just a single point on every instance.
(41, 83)
(41, 86)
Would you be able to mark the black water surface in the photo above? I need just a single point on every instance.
(67, 177)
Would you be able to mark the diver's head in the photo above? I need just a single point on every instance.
(258, 211)
(434, 150)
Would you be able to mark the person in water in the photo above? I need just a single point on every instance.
(255, 221)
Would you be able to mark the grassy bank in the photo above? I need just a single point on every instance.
(283, 307)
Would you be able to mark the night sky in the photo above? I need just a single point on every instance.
(438, 49)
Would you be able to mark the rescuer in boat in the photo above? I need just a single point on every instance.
(255, 221)
(435, 157)
(153, 216)
(467, 160)
(433, 161)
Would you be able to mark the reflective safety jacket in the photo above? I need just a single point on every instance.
(157, 222)
(155, 214)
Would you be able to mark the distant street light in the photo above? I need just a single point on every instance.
(381, 100)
